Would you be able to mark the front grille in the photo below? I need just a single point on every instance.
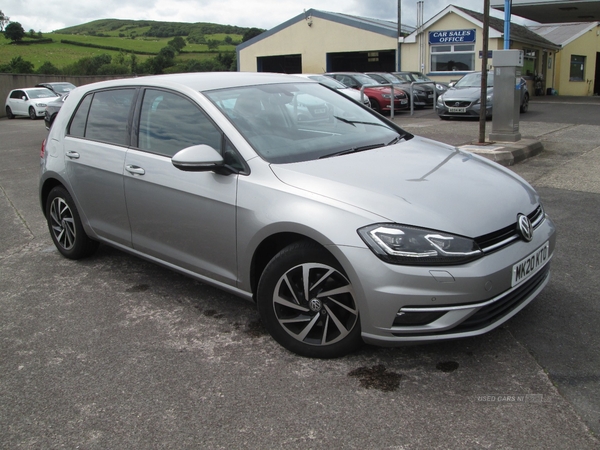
(490, 314)
(500, 238)
(494, 312)
(455, 104)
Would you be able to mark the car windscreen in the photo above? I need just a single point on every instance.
(63, 88)
(40, 93)
(294, 122)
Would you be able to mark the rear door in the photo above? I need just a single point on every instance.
(95, 148)
(184, 218)
(16, 102)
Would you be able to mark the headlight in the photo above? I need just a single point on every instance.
(406, 245)
(386, 95)
(439, 87)
(41, 105)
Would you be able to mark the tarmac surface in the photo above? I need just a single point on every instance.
(114, 352)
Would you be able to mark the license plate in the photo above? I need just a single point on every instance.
(321, 111)
(530, 265)
(430, 96)
(457, 110)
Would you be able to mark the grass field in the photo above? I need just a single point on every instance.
(63, 54)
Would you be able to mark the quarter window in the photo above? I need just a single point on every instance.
(169, 123)
(452, 58)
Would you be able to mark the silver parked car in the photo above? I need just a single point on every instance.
(464, 98)
(341, 230)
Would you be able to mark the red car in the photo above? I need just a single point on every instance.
(380, 97)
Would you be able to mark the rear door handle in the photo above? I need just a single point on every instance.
(73, 155)
(135, 170)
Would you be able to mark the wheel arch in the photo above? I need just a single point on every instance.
(267, 249)
(47, 186)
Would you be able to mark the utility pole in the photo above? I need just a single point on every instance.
(398, 56)
(507, 13)
(484, 72)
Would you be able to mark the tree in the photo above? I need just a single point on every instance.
(3, 20)
(251, 33)
(48, 68)
(177, 43)
(17, 65)
(212, 44)
(14, 31)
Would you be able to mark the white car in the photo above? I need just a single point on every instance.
(28, 102)
(338, 86)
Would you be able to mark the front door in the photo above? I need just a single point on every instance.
(184, 218)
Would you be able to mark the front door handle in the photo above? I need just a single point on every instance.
(135, 170)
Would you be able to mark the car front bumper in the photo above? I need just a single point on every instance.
(403, 304)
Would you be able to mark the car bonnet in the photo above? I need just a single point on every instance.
(419, 182)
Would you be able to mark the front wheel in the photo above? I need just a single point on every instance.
(307, 303)
(525, 104)
(32, 113)
(65, 226)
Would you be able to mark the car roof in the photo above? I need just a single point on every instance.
(202, 81)
(35, 88)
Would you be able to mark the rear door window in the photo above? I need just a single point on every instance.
(104, 116)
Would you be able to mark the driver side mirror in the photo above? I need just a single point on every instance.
(198, 158)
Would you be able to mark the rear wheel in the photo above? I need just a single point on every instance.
(9, 113)
(32, 113)
(307, 303)
(65, 226)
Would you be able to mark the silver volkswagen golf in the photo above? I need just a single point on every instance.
(343, 228)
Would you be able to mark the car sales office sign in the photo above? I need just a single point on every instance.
(451, 36)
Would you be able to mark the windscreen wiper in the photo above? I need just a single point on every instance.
(353, 150)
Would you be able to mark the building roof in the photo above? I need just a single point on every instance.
(553, 11)
(563, 33)
(378, 26)
(518, 32)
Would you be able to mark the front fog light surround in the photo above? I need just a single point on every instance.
(406, 245)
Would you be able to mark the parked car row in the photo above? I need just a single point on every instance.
(43, 100)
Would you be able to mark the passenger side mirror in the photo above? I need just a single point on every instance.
(198, 158)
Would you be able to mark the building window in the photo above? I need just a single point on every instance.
(452, 58)
(577, 68)
(529, 65)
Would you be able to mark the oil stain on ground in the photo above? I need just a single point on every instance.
(447, 366)
(377, 377)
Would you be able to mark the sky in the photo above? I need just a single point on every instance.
(50, 15)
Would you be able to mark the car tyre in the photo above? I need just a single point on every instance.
(9, 113)
(525, 105)
(65, 226)
(375, 105)
(307, 303)
(32, 113)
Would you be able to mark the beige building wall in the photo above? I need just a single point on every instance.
(313, 43)
(410, 51)
(587, 45)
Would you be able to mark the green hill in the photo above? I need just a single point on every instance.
(144, 38)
